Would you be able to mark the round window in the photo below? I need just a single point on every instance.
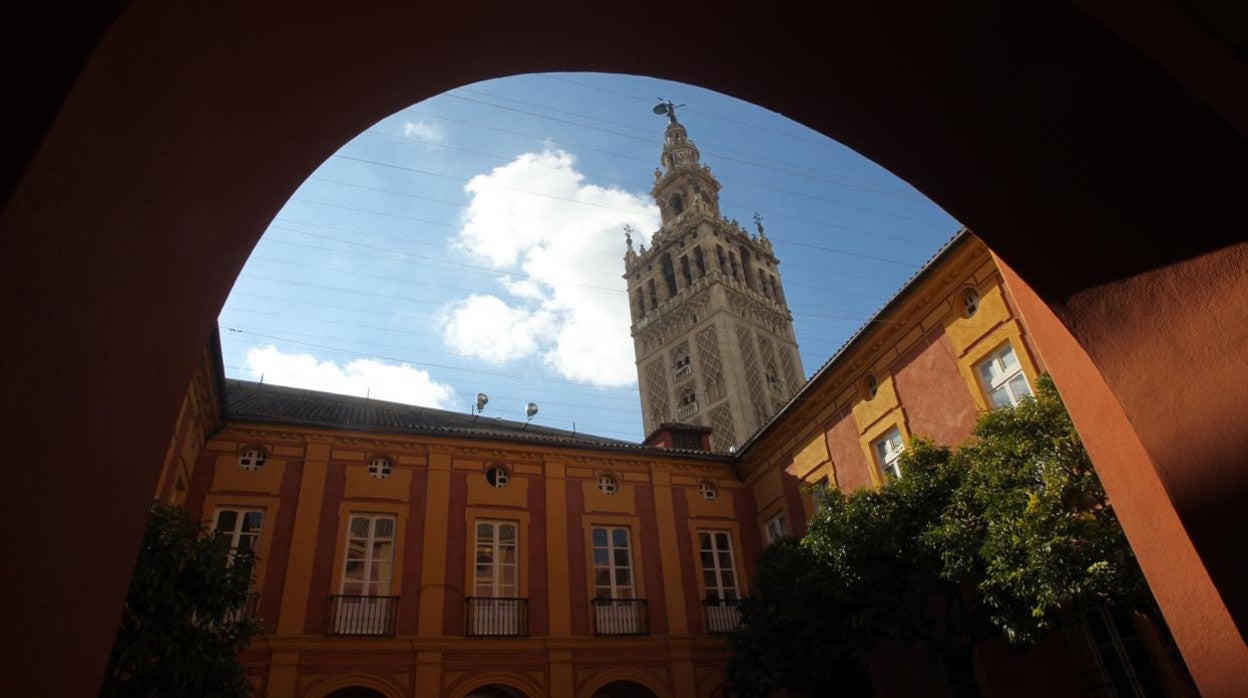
(497, 477)
(870, 386)
(252, 459)
(970, 302)
(380, 468)
(708, 490)
(607, 484)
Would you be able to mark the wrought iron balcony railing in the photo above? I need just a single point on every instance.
(621, 617)
(723, 616)
(361, 615)
(496, 616)
(687, 410)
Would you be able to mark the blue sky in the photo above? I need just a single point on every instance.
(474, 242)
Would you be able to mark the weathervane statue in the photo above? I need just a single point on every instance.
(666, 107)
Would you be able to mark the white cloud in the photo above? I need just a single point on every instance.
(420, 131)
(379, 380)
(485, 327)
(558, 244)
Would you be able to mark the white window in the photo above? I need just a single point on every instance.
(616, 610)
(607, 484)
(365, 606)
(380, 468)
(252, 459)
(888, 451)
(497, 570)
(719, 577)
(370, 555)
(719, 574)
(1003, 378)
(241, 527)
(613, 563)
(497, 477)
(708, 490)
(496, 608)
(776, 528)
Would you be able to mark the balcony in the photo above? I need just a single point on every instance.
(682, 370)
(687, 410)
(361, 615)
(496, 617)
(621, 617)
(723, 616)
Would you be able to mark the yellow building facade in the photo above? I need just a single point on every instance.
(405, 551)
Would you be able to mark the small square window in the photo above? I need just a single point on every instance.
(253, 458)
(380, 468)
(607, 484)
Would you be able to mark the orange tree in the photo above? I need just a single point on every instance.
(182, 626)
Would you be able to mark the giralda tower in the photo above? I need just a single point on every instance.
(712, 333)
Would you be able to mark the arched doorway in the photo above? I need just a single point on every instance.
(1106, 167)
(624, 689)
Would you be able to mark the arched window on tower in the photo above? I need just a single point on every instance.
(745, 269)
(732, 259)
(641, 303)
(773, 380)
(722, 258)
(677, 204)
(685, 271)
(776, 290)
(654, 295)
(669, 275)
(699, 261)
(688, 404)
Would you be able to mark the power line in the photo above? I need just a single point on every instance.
(907, 192)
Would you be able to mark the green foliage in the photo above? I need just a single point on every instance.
(796, 633)
(181, 629)
(1016, 514)
(871, 546)
(1031, 526)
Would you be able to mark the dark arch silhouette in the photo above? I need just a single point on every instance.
(624, 689)
(496, 691)
(1100, 151)
(356, 692)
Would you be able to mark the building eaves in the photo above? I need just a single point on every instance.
(270, 404)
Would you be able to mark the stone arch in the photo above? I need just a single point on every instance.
(1112, 169)
(611, 676)
(510, 680)
(326, 687)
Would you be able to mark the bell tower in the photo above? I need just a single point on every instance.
(711, 331)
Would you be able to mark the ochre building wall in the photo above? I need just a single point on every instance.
(314, 479)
